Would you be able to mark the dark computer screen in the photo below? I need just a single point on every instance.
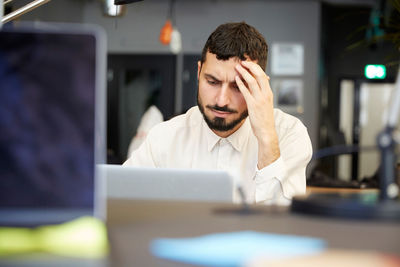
(47, 99)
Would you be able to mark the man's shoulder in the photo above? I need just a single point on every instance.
(285, 121)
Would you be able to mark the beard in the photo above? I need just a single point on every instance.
(220, 124)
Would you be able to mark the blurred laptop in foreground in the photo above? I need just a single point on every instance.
(52, 123)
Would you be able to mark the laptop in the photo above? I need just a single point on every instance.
(167, 184)
(52, 123)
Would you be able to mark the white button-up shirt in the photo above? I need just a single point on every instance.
(187, 142)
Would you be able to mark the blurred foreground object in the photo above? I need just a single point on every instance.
(52, 122)
(333, 258)
(85, 237)
(236, 248)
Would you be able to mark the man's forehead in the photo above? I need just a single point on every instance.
(221, 70)
(212, 64)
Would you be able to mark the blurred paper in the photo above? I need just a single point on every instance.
(234, 249)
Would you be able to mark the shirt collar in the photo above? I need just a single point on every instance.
(237, 139)
(212, 138)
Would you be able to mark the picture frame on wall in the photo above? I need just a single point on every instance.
(288, 95)
(287, 59)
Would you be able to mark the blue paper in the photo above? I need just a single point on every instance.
(234, 249)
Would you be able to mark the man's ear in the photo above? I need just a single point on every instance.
(198, 69)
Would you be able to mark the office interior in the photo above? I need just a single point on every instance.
(332, 96)
(338, 40)
(337, 47)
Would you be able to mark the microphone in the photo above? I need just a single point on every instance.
(244, 207)
(242, 194)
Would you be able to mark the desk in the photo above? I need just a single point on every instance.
(324, 190)
(133, 224)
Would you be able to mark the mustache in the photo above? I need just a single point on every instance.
(223, 109)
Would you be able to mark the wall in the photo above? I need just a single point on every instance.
(55, 10)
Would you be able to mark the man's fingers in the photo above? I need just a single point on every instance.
(254, 68)
(258, 73)
(249, 79)
(243, 89)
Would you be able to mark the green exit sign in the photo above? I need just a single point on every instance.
(375, 72)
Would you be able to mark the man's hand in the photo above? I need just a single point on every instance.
(260, 104)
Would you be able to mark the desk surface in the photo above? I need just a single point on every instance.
(133, 224)
(315, 189)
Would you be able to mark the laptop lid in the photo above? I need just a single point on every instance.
(52, 122)
(167, 184)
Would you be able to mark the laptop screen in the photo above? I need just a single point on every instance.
(47, 120)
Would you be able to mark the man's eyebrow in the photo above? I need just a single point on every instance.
(234, 84)
(209, 76)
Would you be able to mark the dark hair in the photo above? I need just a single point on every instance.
(237, 40)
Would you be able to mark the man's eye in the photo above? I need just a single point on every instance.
(212, 82)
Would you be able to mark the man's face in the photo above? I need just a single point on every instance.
(219, 99)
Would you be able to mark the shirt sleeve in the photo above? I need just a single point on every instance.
(144, 156)
(278, 182)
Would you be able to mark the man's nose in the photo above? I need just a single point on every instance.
(223, 96)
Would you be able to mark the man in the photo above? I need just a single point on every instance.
(234, 127)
